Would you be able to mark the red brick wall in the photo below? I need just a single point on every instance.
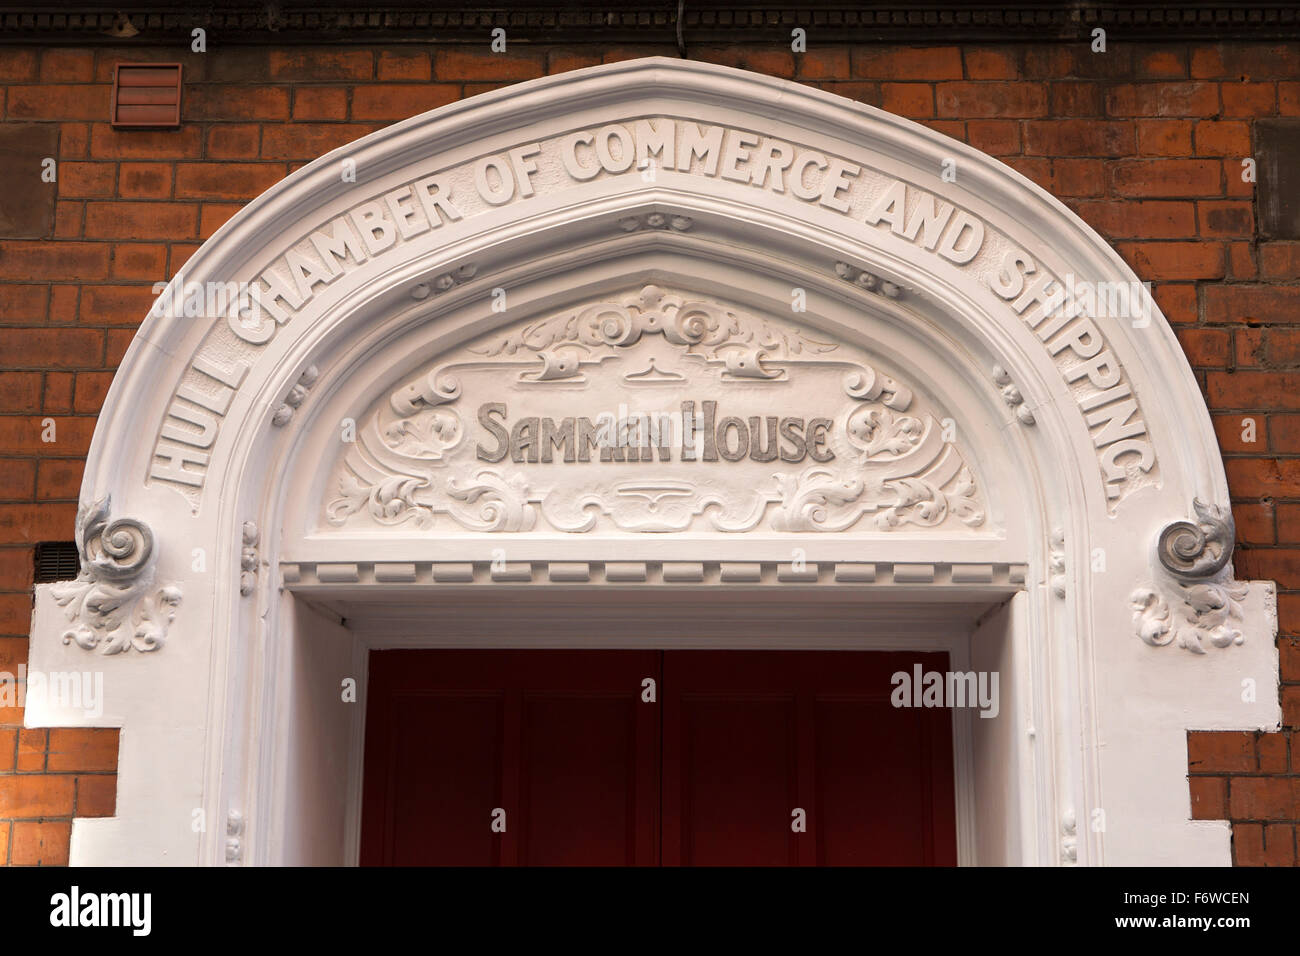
(1145, 143)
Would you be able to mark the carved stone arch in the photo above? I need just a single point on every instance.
(1098, 528)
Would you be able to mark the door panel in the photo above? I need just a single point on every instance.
(563, 743)
(559, 740)
(874, 782)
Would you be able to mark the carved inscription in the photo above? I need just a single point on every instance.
(608, 442)
(376, 231)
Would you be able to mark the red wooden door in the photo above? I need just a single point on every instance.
(751, 739)
(558, 740)
(564, 744)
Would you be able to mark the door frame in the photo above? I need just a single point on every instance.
(952, 630)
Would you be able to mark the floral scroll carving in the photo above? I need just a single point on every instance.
(115, 604)
(1195, 600)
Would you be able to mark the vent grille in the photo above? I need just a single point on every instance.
(146, 95)
(57, 561)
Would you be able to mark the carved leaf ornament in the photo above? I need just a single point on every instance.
(114, 604)
(426, 456)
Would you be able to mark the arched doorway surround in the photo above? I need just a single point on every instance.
(1032, 485)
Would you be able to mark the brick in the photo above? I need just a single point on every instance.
(59, 478)
(1078, 137)
(1254, 521)
(907, 63)
(563, 61)
(1255, 844)
(145, 181)
(1284, 433)
(1222, 138)
(466, 65)
(115, 345)
(1283, 348)
(23, 436)
(83, 749)
(1288, 99)
(57, 394)
(1166, 177)
(1241, 260)
(399, 101)
(14, 651)
(1164, 137)
(109, 143)
(1291, 692)
(37, 795)
(40, 844)
(1075, 99)
(1248, 99)
(67, 66)
(1151, 219)
(15, 572)
(1226, 218)
(63, 304)
(97, 795)
(89, 391)
(309, 140)
(1262, 798)
(226, 180)
(1206, 348)
(141, 220)
(51, 348)
(23, 304)
(1057, 60)
(8, 748)
(320, 103)
(1246, 61)
(116, 304)
(67, 220)
(17, 64)
(915, 100)
(5, 826)
(1077, 177)
(1272, 753)
(415, 65)
(991, 99)
(1161, 64)
(1174, 260)
(181, 252)
(58, 102)
(826, 63)
(1277, 260)
(953, 128)
(262, 103)
(997, 64)
(1289, 654)
(74, 140)
(317, 64)
(20, 392)
(1209, 798)
(995, 137)
(240, 65)
(234, 141)
(140, 260)
(215, 215)
(1251, 303)
(1163, 99)
(858, 90)
(86, 180)
(1249, 389)
(17, 479)
(1215, 751)
(770, 61)
(31, 750)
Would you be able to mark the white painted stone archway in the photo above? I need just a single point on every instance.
(278, 483)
